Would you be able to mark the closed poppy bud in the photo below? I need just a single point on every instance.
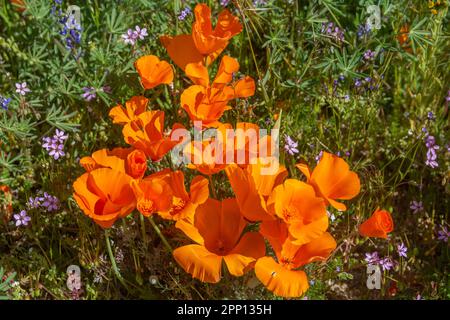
(19, 5)
(137, 164)
(378, 225)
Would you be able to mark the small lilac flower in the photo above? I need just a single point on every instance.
(22, 218)
(402, 249)
(184, 13)
(443, 234)
(89, 93)
(386, 263)
(57, 152)
(346, 98)
(372, 258)
(363, 29)
(430, 143)
(431, 116)
(51, 203)
(4, 102)
(140, 33)
(48, 143)
(22, 89)
(60, 136)
(224, 3)
(369, 55)
(358, 83)
(416, 206)
(333, 31)
(130, 37)
(34, 203)
(291, 145)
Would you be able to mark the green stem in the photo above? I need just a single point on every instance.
(113, 260)
(161, 236)
(144, 234)
(213, 187)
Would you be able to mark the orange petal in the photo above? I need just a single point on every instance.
(198, 73)
(153, 72)
(190, 230)
(279, 280)
(199, 190)
(318, 249)
(227, 67)
(181, 50)
(378, 225)
(199, 262)
(244, 88)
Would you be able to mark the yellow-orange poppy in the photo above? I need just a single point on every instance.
(205, 43)
(283, 276)
(153, 71)
(332, 179)
(153, 193)
(296, 203)
(254, 184)
(378, 225)
(184, 204)
(133, 108)
(127, 160)
(147, 134)
(104, 195)
(217, 229)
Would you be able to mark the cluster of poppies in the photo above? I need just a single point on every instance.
(289, 213)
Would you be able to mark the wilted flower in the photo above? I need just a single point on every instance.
(22, 89)
(22, 218)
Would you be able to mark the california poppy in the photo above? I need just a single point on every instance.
(153, 71)
(205, 43)
(217, 229)
(332, 179)
(207, 156)
(147, 134)
(296, 203)
(283, 276)
(130, 161)
(205, 101)
(184, 204)
(153, 193)
(19, 5)
(378, 225)
(104, 195)
(403, 38)
(252, 187)
(133, 108)
(8, 204)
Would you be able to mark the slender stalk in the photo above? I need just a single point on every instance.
(144, 234)
(160, 235)
(113, 260)
(213, 187)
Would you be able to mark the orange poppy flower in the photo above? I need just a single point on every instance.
(104, 195)
(205, 44)
(133, 108)
(332, 179)
(403, 38)
(282, 277)
(207, 102)
(130, 161)
(217, 229)
(153, 71)
(296, 203)
(378, 225)
(153, 193)
(252, 187)
(147, 134)
(8, 197)
(184, 204)
(207, 156)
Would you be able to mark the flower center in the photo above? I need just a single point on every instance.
(146, 206)
(177, 206)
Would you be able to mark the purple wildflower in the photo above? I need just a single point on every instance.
(363, 29)
(34, 203)
(4, 102)
(184, 13)
(402, 249)
(140, 33)
(372, 258)
(431, 116)
(130, 37)
(386, 263)
(369, 55)
(22, 218)
(55, 145)
(224, 3)
(319, 156)
(22, 89)
(51, 203)
(443, 234)
(416, 206)
(333, 31)
(291, 145)
(60, 136)
(430, 143)
(89, 93)
(57, 152)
